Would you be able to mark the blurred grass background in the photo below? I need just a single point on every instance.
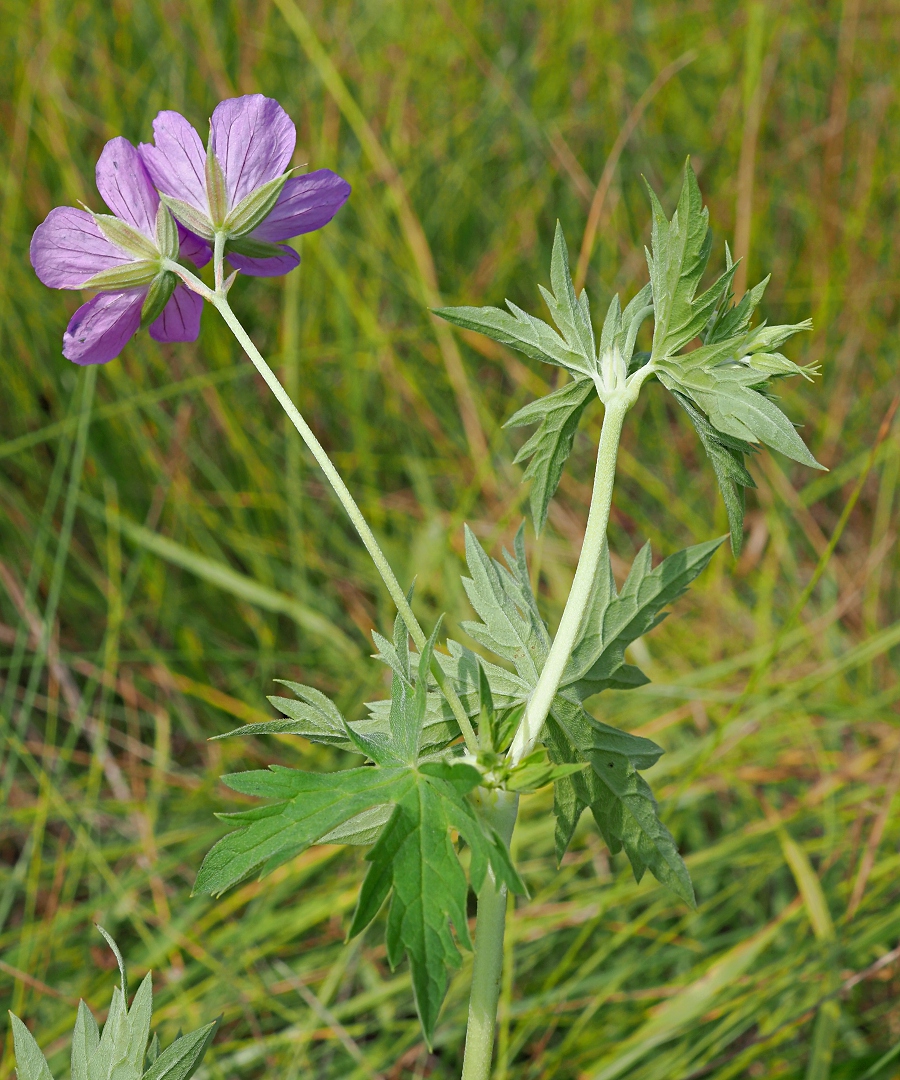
(168, 549)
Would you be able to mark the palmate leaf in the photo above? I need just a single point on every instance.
(410, 805)
(618, 797)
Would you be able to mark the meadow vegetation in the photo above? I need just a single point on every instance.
(168, 549)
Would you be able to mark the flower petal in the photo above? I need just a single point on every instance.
(306, 203)
(274, 267)
(180, 319)
(177, 163)
(253, 138)
(126, 187)
(100, 329)
(193, 247)
(68, 248)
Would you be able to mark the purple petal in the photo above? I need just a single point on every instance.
(100, 329)
(274, 267)
(180, 319)
(177, 163)
(253, 138)
(193, 247)
(306, 203)
(126, 187)
(68, 248)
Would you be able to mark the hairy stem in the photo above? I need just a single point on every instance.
(487, 968)
(591, 548)
(220, 301)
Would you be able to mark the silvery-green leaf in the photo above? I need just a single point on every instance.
(139, 1016)
(158, 295)
(126, 237)
(166, 233)
(182, 1059)
(557, 415)
(511, 625)
(152, 1051)
(727, 457)
(314, 716)
(519, 331)
(252, 248)
(85, 1043)
(570, 313)
(30, 1061)
(680, 252)
(254, 208)
(190, 217)
(216, 192)
(612, 621)
(127, 276)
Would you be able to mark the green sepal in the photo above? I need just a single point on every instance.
(126, 237)
(158, 295)
(130, 275)
(254, 208)
(252, 248)
(216, 192)
(190, 217)
(166, 233)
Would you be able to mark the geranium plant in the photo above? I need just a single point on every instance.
(468, 726)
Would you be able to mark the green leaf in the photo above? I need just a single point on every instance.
(558, 415)
(30, 1061)
(621, 801)
(85, 1043)
(681, 250)
(520, 331)
(182, 1059)
(612, 621)
(727, 457)
(310, 805)
(511, 623)
(619, 798)
(570, 313)
(415, 862)
(736, 409)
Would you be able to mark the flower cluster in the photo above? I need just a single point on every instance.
(172, 200)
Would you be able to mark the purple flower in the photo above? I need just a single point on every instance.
(237, 187)
(120, 256)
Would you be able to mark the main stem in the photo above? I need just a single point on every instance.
(491, 916)
(594, 538)
(487, 967)
(220, 301)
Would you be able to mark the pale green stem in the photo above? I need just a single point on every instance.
(487, 966)
(219, 300)
(592, 546)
